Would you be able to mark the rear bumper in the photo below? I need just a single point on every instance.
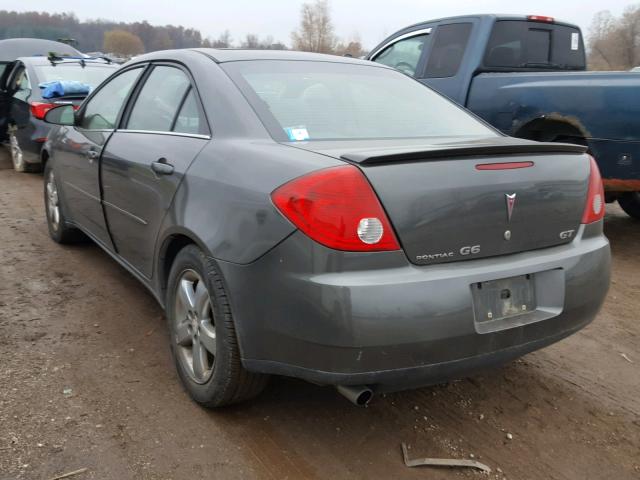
(350, 318)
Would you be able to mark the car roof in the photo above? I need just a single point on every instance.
(223, 55)
(12, 48)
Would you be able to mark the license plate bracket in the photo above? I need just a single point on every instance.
(502, 299)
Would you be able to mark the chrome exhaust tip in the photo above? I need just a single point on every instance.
(359, 395)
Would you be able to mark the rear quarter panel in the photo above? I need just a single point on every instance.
(603, 106)
(224, 200)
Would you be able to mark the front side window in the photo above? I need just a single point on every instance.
(302, 100)
(159, 100)
(448, 49)
(403, 55)
(103, 108)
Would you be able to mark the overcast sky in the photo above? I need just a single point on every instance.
(371, 19)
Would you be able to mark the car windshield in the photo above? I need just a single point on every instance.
(304, 100)
(91, 74)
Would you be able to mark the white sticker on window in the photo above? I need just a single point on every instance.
(297, 134)
(575, 41)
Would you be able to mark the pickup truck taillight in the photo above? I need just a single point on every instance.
(338, 208)
(594, 209)
(540, 18)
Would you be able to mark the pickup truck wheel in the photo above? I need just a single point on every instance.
(203, 335)
(630, 203)
(59, 230)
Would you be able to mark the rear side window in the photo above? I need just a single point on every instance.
(448, 49)
(189, 119)
(159, 100)
(531, 45)
(103, 108)
(403, 55)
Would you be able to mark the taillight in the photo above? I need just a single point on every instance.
(594, 209)
(40, 109)
(338, 208)
(540, 18)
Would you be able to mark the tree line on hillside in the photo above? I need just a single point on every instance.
(315, 33)
(614, 42)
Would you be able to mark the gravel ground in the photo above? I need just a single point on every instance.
(87, 382)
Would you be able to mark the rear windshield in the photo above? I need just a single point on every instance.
(92, 75)
(535, 45)
(303, 100)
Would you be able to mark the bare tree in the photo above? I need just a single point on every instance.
(223, 41)
(351, 48)
(315, 33)
(251, 41)
(614, 43)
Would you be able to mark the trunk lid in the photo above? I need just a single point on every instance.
(447, 205)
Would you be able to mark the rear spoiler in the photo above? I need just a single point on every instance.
(439, 152)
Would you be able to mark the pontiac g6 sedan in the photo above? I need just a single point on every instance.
(326, 218)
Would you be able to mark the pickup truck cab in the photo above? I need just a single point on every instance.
(526, 76)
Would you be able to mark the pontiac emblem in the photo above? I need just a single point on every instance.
(511, 201)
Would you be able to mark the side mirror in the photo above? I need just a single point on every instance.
(61, 115)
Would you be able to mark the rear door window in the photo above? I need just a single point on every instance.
(159, 100)
(448, 50)
(404, 55)
(189, 119)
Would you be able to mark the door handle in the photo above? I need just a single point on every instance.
(161, 167)
(92, 154)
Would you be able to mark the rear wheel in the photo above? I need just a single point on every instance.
(203, 336)
(59, 230)
(630, 203)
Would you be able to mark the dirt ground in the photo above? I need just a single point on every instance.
(87, 381)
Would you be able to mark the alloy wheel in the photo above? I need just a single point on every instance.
(194, 327)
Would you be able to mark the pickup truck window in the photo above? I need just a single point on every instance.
(534, 45)
(404, 55)
(448, 50)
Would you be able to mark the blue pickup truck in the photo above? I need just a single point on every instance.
(526, 76)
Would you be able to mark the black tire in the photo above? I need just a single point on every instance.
(228, 382)
(630, 203)
(61, 232)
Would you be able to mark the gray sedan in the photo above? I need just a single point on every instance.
(326, 218)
